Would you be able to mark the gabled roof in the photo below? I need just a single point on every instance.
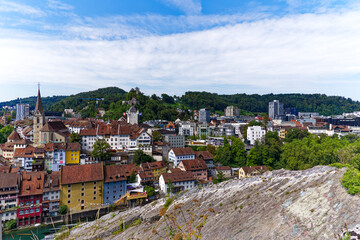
(53, 126)
(24, 152)
(32, 183)
(132, 109)
(9, 180)
(183, 151)
(222, 168)
(14, 136)
(152, 165)
(146, 176)
(206, 155)
(251, 169)
(82, 173)
(114, 173)
(75, 146)
(52, 182)
(178, 176)
(194, 164)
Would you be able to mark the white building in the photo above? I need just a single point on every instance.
(180, 181)
(255, 133)
(187, 129)
(176, 155)
(232, 111)
(132, 115)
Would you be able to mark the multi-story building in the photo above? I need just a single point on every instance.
(29, 209)
(232, 111)
(24, 157)
(176, 181)
(51, 194)
(178, 154)
(255, 133)
(114, 183)
(187, 128)
(22, 111)
(176, 141)
(157, 168)
(132, 115)
(9, 191)
(204, 115)
(73, 153)
(209, 161)
(203, 129)
(275, 109)
(82, 186)
(196, 166)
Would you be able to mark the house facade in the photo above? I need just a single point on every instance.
(9, 191)
(114, 183)
(176, 181)
(197, 167)
(179, 154)
(252, 171)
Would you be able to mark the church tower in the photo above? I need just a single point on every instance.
(39, 119)
(132, 116)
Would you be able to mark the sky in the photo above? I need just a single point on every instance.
(174, 46)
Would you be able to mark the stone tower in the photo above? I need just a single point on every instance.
(39, 119)
(132, 115)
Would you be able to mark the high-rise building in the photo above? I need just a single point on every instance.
(22, 111)
(275, 109)
(204, 115)
(232, 111)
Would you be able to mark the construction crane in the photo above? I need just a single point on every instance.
(93, 99)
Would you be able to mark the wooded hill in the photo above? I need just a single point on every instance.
(165, 106)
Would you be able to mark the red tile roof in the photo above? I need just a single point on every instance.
(82, 173)
(53, 126)
(9, 180)
(24, 152)
(32, 183)
(194, 164)
(183, 151)
(114, 173)
(206, 155)
(250, 169)
(223, 168)
(52, 182)
(178, 176)
(14, 136)
(152, 165)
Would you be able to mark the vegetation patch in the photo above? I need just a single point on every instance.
(351, 181)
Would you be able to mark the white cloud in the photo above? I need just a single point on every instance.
(12, 7)
(297, 53)
(190, 7)
(58, 5)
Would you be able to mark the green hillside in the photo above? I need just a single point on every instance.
(47, 101)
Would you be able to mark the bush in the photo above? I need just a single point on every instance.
(168, 202)
(351, 180)
(11, 224)
(63, 209)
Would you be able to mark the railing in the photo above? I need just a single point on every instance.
(7, 198)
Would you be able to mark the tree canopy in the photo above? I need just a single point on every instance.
(101, 150)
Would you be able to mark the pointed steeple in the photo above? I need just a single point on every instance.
(39, 106)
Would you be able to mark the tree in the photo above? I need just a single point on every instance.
(150, 191)
(219, 177)
(170, 188)
(75, 137)
(5, 132)
(211, 149)
(141, 157)
(295, 133)
(157, 137)
(132, 178)
(63, 209)
(101, 150)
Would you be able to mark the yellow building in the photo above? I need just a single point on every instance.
(73, 153)
(82, 186)
(157, 168)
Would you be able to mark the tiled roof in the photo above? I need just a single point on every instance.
(73, 146)
(146, 176)
(24, 152)
(52, 182)
(14, 136)
(178, 176)
(183, 151)
(32, 183)
(174, 170)
(128, 168)
(152, 165)
(194, 164)
(115, 128)
(4, 169)
(206, 155)
(223, 168)
(250, 169)
(9, 180)
(53, 126)
(114, 173)
(82, 173)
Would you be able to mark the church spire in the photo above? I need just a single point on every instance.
(39, 106)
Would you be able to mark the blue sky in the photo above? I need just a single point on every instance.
(174, 46)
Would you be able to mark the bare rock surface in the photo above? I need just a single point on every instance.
(281, 204)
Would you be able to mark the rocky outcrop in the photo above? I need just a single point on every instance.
(282, 204)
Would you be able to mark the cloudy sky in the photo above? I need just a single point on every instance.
(173, 46)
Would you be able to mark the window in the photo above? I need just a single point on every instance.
(69, 202)
(94, 192)
(82, 184)
(82, 189)
(95, 188)
(69, 185)
(82, 194)
(94, 198)
(69, 195)
(94, 183)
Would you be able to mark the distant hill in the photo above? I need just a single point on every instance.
(326, 105)
(47, 101)
(83, 101)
